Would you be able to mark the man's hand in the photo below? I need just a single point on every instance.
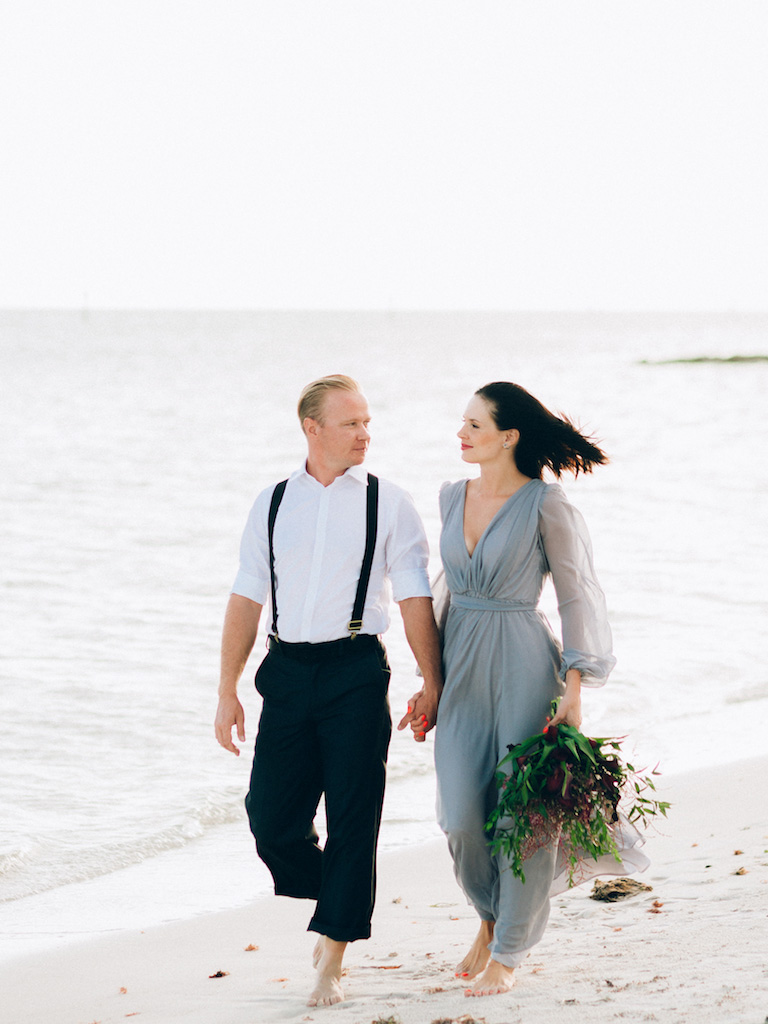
(421, 714)
(229, 714)
(421, 633)
(240, 626)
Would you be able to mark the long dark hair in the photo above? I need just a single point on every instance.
(545, 439)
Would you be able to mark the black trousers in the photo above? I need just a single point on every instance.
(325, 728)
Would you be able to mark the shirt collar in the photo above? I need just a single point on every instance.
(359, 473)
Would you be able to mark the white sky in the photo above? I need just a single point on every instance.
(516, 154)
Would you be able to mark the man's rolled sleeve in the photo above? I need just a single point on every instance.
(253, 580)
(408, 553)
(251, 587)
(410, 584)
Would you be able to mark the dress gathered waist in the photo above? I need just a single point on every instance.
(492, 604)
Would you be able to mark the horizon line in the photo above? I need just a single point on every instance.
(395, 311)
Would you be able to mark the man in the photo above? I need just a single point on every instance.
(325, 724)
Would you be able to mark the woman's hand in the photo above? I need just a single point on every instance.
(569, 708)
(421, 714)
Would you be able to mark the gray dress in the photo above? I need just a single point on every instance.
(502, 668)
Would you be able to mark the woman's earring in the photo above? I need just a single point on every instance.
(505, 445)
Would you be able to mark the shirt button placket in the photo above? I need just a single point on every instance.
(313, 583)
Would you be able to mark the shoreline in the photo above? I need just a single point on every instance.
(175, 885)
(182, 884)
(185, 883)
(700, 952)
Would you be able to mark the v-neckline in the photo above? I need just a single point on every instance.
(490, 522)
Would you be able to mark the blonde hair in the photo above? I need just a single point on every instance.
(312, 398)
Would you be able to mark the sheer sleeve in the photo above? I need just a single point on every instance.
(586, 634)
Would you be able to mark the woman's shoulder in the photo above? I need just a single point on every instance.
(556, 507)
(552, 493)
(552, 499)
(451, 487)
(451, 492)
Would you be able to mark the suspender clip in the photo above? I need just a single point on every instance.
(354, 626)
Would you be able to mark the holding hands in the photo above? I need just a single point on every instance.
(421, 715)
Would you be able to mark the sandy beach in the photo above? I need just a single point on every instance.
(695, 948)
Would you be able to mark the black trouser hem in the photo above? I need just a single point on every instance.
(338, 935)
(296, 895)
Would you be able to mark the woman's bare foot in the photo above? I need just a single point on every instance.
(478, 955)
(496, 979)
(327, 959)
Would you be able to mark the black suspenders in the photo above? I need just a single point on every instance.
(277, 497)
(355, 624)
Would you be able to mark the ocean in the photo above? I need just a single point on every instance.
(133, 444)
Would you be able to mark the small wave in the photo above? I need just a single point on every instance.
(52, 863)
(402, 771)
(15, 860)
(748, 694)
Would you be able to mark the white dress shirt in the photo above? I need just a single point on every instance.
(319, 542)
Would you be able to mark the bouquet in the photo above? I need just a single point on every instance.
(560, 785)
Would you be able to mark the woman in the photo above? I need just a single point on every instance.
(503, 533)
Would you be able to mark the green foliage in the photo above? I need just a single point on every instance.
(560, 784)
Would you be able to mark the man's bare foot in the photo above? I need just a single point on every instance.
(327, 959)
(478, 955)
(496, 979)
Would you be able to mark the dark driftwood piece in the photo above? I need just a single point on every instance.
(617, 889)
